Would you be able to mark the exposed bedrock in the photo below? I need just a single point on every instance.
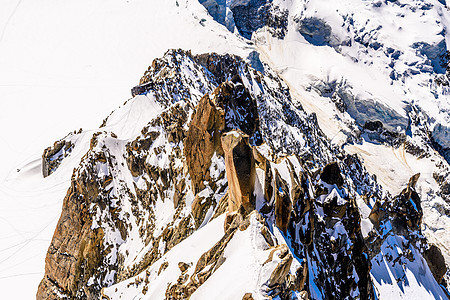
(240, 169)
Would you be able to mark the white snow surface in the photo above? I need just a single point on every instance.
(413, 281)
(246, 266)
(188, 251)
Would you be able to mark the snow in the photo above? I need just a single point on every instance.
(140, 111)
(366, 227)
(67, 64)
(188, 251)
(413, 280)
(243, 271)
(259, 192)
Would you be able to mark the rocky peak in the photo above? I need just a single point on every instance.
(203, 140)
(53, 156)
(239, 106)
(240, 169)
(240, 147)
(404, 211)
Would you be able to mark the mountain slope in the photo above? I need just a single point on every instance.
(137, 202)
(158, 175)
(376, 80)
(75, 74)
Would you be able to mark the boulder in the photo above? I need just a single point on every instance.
(248, 296)
(183, 267)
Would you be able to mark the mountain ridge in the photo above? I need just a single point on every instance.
(322, 115)
(323, 197)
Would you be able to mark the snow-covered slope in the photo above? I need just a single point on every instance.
(351, 63)
(358, 61)
(134, 203)
(66, 65)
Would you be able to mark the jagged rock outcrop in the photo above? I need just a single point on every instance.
(77, 249)
(279, 281)
(240, 169)
(405, 209)
(396, 242)
(203, 140)
(228, 139)
(337, 249)
(232, 107)
(283, 203)
(240, 108)
(53, 156)
(402, 216)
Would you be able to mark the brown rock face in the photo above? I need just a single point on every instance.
(76, 249)
(268, 189)
(248, 296)
(203, 139)
(53, 156)
(283, 203)
(279, 274)
(436, 262)
(240, 168)
(282, 282)
(183, 266)
(377, 213)
(200, 207)
(231, 108)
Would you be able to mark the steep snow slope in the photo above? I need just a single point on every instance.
(65, 65)
(86, 56)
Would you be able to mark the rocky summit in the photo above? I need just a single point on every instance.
(272, 149)
(231, 187)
